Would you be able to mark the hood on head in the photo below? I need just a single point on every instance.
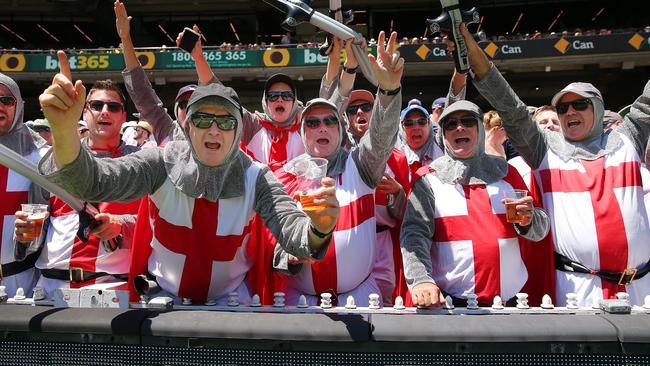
(190, 88)
(20, 104)
(321, 102)
(462, 106)
(222, 97)
(586, 90)
(281, 78)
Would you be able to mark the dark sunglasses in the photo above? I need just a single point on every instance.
(412, 122)
(451, 123)
(578, 105)
(8, 100)
(287, 96)
(205, 120)
(41, 129)
(314, 122)
(365, 107)
(98, 105)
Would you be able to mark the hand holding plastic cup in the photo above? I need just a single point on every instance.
(310, 172)
(512, 199)
(37, 214)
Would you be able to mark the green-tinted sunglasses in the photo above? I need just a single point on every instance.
(205, 120)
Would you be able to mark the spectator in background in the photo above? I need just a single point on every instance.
(42, 127)
(82, 129)
(144, 134)
(286, 39)
(495, 135)
(547, 119)
(611, 120)
(436, 110)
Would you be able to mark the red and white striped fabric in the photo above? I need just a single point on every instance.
(474, 249)
(64, 250)
(200, 247)
(274, 147)
(388, 270)
(350, 256)
(599, 219)
(15, 189)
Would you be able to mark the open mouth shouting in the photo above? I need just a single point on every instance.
(213, 146)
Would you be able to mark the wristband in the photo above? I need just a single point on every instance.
(350, 70)
(318, 233)
(389, 92)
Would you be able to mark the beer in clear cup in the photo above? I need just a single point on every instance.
(512, 197)
(37, 213)
(310, 172)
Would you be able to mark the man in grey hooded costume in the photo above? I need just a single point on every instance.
(590, 181)
(17, 268)
(204, 188)
(455, 238)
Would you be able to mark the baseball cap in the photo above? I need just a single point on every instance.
(611, 117)
(40, 124)
(227, 94)
(585, 90)
(318, 102)
(411, 108)
(280, 78)
(184, 90)
(415, 101)
(461, 106)
(361, 94)
(439, 103)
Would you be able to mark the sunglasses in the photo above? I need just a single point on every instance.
(412, 122)
(365, 107)
(452, 123)
(314, 122)
(205, 120)
(287, 96)
(578, 105)
(41, 129)
(98, 105)
(8, 100)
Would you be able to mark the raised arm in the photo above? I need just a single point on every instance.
(73, 167)
(415, 240)
(137, 84)
(636, 124)
(376, 145)
(523, 132)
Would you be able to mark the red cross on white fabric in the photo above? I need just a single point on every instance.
(484, 228)
(11, 201)
(610, 227)
(200, 245)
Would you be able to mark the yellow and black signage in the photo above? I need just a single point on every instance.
(276, 57)
(147, 59)
(12, 62)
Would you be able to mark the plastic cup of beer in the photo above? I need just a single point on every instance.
(310, 172)
(512, 197)
(36, 213)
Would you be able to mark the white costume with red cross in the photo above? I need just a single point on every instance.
(599, 219)
(474, 249)
(388, 270)
(274, 146)
(200, 247)
(346, 269)
(15, 191)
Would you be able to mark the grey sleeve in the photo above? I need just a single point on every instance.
(396, 204)
(538, 228)
(523, 132)
(327, 90)
(288, 224)
(148, 104)
(416, 234)
(281, 262)
(453, 98)
(123, 179)
(376, 145)
(251, 126)
(636, 124)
